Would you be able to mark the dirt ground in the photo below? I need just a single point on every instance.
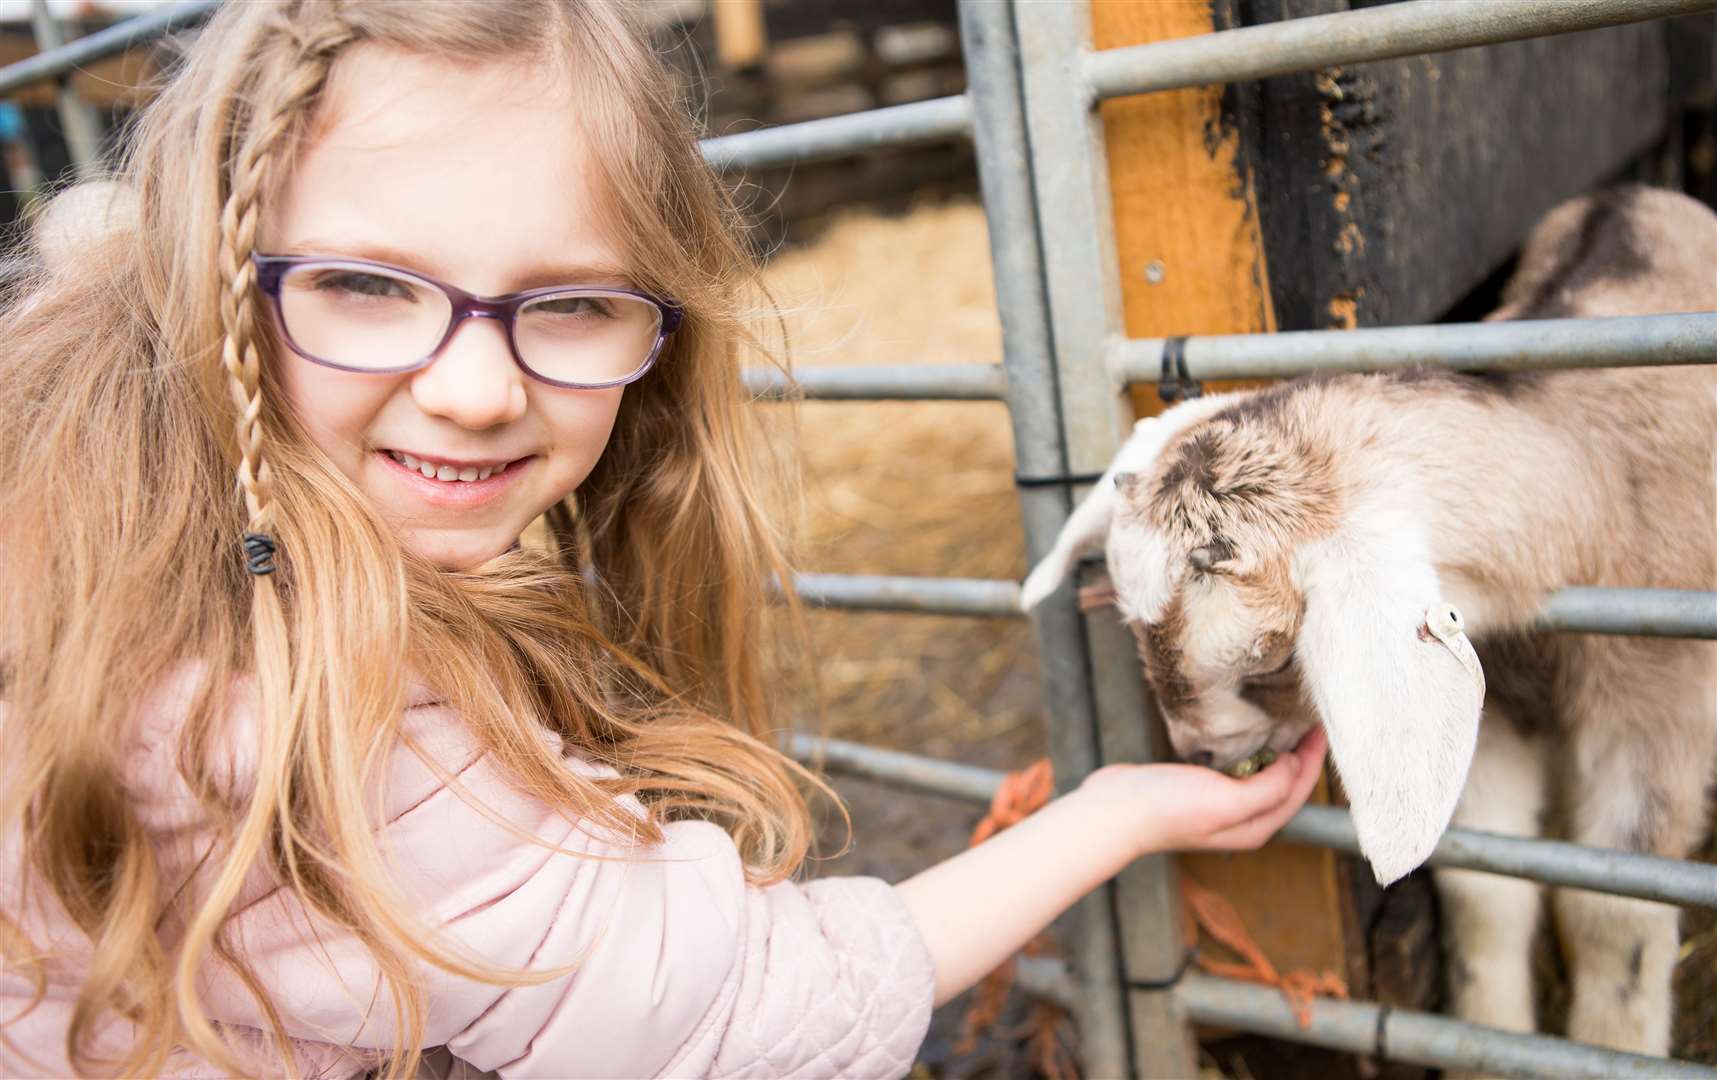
(925, 488)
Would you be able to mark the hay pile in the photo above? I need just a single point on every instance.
(912, 488)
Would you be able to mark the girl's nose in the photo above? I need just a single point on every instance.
(474, 381)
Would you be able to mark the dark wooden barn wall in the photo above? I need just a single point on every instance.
(1388, 191)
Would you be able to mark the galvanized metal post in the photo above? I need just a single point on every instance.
(1069, 168)
(79, 122)
(1004, 171)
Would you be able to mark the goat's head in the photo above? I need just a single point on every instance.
(1267, 597)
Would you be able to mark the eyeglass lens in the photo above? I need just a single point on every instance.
(368, 319)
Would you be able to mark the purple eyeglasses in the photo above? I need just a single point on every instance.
(363, 316)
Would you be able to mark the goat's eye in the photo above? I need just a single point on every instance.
(1274, 675)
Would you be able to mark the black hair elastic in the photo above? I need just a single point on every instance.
(259, 551)
(1169, 983)
(1176, 383)
(1021, 480)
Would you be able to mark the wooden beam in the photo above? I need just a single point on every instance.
(1192, 261)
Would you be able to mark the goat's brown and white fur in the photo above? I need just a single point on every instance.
(1279, 549)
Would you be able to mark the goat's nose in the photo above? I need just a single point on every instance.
(1201, 757)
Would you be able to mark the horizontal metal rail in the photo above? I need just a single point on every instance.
(115, 39)
(939, 596)
(1631, 341)
(1552, 862)
(935, 120)
(1645, 612)
(918, 122)
(1422, 1038)
(968, 783)
(1352, 37)
(883, 382)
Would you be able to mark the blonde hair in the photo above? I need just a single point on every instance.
(135, 380)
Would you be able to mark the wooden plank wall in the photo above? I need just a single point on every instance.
(1389, 191)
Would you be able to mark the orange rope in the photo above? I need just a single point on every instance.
(1212, 913)
(1019, 796)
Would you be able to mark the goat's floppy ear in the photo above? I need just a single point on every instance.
(1085, 530)
(1401, 709)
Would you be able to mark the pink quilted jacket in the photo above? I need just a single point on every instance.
(683, 970)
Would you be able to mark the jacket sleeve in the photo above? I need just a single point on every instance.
(678, 967)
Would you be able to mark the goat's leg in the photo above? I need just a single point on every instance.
(1640, 769)
(1488, 919)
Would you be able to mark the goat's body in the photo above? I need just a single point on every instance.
(1523, 484)
(1278, 552)
(1520, 486)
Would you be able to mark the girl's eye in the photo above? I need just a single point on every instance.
(359, 283)
(597, 306)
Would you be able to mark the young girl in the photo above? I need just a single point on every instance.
(312, 771)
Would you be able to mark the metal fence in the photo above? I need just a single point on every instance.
(1034, 82)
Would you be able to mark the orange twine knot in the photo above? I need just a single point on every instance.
(1212, 913)
(1019, 796)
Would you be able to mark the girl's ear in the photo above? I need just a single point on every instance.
(1400, 707)
(1088, 525)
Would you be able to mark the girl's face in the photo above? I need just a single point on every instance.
(476, 176)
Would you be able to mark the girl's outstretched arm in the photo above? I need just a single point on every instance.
(977, 908)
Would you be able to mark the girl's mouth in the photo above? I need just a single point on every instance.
(453, 485)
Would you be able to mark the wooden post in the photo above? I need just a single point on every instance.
(1191, 261)
(741, 38)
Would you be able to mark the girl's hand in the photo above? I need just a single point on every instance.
(1192, 808)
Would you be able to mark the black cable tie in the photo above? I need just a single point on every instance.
(259, 551)
(1176, 382)
(1021, 480)
(1380, 1049)
(1168, 983)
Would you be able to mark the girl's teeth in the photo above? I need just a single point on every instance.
(444, 472)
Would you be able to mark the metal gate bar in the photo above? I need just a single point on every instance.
(1383, 1031)
(1551, 862)
(1071, 690)
(1627, 341)
(1630, 341)
(138, 30)
(1585, 610)
(839, 136)
(1385, 32)
(879, 382)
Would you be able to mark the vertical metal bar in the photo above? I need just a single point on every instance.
(78, 120)
(991, 49)
(1070, 170)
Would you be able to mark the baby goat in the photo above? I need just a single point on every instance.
(1278, 552)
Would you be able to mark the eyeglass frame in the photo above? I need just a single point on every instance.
(271, 271)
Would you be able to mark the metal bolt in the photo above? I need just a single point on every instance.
(1154, 272)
